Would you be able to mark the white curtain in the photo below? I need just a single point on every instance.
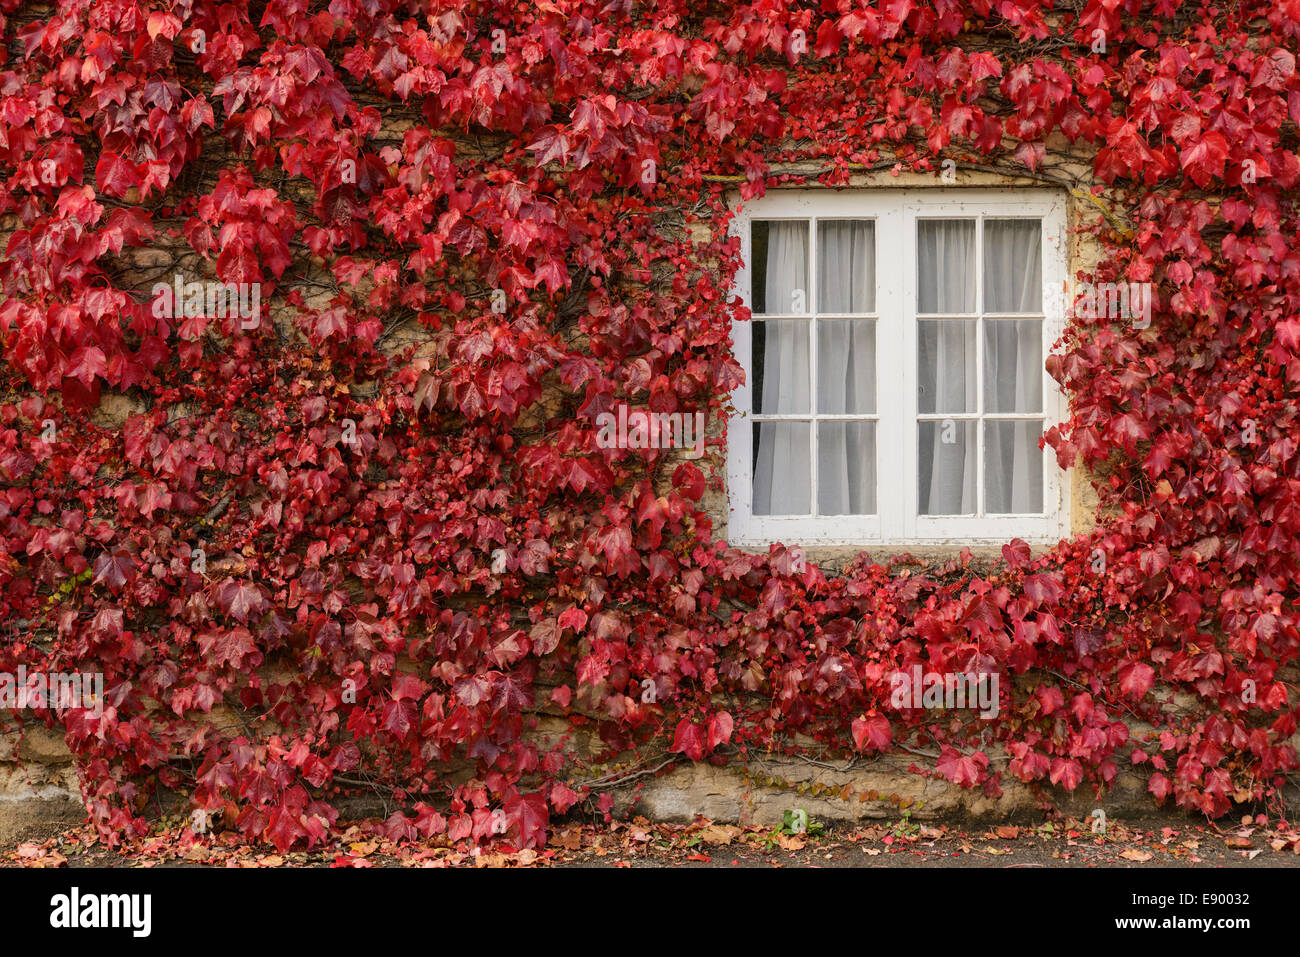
(846, 456)
(946, 284)
(1013, 265)
(846, 275)
(846, 367)
(782, 466)
(1013, 360)
(1013, 463)
(1013, 365)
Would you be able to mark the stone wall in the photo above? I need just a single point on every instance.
(39, 794)
(38, 784)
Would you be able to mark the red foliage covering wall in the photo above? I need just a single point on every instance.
(262, 137)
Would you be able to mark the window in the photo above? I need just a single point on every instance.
(896, 389)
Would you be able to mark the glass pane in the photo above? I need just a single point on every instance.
(946, 366)
(846, 271)
(780, 267)
(782, 468)
(1013, 365)
(782, 374)
(946, 265)
(846, 366)
(846, 468)
(1013, 468)
(946, 454)
(1013, 265)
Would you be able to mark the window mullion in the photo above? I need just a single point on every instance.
(740, 473)
(812, 296)
(979, 368)
(902, 363)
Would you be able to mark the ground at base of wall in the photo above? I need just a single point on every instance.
(1137, 843)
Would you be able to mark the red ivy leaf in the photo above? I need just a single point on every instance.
(1066, 772)
(688, 740)
(115, 175)
(115, 569)
(528, 815)
(1136, 678)
(241, 600)
(964, 770)
(872, 732)
(720, 727)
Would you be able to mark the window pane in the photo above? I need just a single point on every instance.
(1013, 265)
(1013, 365)
(780, 267)
(846, 468)
(846, 366)
(846, 273)
(1013, 468)
(946, 265)
(946, 470)
(781, 371)
(782, 468)
(946, 366)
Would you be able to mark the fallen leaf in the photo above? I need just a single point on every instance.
(570, 840)
(719, 833)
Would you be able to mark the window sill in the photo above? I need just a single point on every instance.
(834, 558)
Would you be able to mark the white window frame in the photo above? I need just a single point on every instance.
(896, 212)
